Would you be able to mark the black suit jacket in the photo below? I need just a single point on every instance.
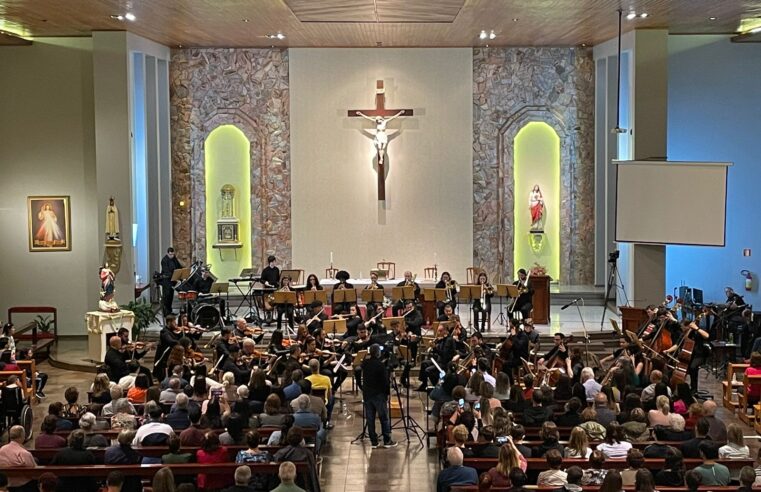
(168, 266)
(374, 378)
(116, 364)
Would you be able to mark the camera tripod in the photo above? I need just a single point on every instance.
(406, 421)
(614, 280)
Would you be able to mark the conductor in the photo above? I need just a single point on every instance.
(376, 388)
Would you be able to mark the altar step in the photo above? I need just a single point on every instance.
(561, 295)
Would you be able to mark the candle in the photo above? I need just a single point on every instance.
(331, 257)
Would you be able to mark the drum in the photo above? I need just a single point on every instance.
(206, 316)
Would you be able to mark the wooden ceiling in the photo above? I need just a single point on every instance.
(369, 23)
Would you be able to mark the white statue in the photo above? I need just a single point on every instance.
(228, 197)
(381, 139)
(112, 221)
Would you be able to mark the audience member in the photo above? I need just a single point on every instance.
(242, 478)
(47, 439)
(114, 481)
(717, 429)
(536, 414)
(163, 480)
(612, 482)
(594, 430)
(644, 481)
(591, 387)
(735, 449)
(15, 455)
(578, 444)
(234, 428)
(455, 473)
(614, 445)
(573, 479)
(489, 449)
(518, 433)
(153, 432)
(295, 451)
(571, 417)
(212, 452)
(747, 477)
(711, 473)
(47, 482)
(635, 460)
(636, 429)
(174, 455)
(595, 474)
(604, 414)
(73, 455)
(672, 474)
(550, 437)
(169, 395)
(554, 477)
(123, 454)
(194, 435)
(648, 393)
(287, 475)
(693, 479)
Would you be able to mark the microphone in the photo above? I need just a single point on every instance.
(572, 303)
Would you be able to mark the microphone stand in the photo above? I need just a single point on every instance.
(575, 302)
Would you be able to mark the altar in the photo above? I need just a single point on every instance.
(101, 326)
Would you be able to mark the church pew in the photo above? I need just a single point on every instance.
(264, 432)
(707, 488)
(540, 464)
(592, 444)
(44, 456)
(146, 471)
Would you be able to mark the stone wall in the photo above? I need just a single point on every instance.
(512, 87)
(247, 88)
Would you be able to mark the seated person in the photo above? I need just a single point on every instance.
(455, 474)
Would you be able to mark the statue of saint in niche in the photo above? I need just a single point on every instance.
(536, 207)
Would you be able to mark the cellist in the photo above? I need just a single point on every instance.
(694, 341)
(558, 355)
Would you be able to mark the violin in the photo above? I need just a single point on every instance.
(139, 346)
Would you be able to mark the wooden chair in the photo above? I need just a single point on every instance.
(389, 266)
(331, 272)
(745, 404)
(732, 384)
(431, 272)
(472, 273)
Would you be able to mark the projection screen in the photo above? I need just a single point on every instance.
(671, 202)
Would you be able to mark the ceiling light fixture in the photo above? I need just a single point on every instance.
(712, 18)
(631, 16)
(643, 15)
(245, 20)
(118, 17)
(515, 19)
(483, 35)
(279, 36)
(492, 35)
(130, 17)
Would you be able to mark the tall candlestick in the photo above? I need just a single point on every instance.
(331, 257)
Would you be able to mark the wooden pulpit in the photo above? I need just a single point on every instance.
(541, 300)
(632, 318)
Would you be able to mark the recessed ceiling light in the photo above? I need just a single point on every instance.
(118, 17)
(631, 15)
(483, 35)
(279, 36)
(492, 35)
(712, 18)
(245, 20)
(643, 15)
(515, 19)
(130, 16)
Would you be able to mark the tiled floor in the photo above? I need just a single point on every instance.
(352, 467)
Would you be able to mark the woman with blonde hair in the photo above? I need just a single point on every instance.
(231, 389)
(735, 449)
(101, 389)
(660, 416)
(163, 480)
(578, 444)
(509, 458)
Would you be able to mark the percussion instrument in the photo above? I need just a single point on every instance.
(207, 315)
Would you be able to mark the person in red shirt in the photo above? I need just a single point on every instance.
(212, 452)
(754, 390)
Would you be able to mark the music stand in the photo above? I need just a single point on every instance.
(372, 295)
(334, 326)
(471, 292)
(404, 293)
(501, 293)
(219, 288)
(358, 358)
(247, 272)
(315, 295)
(344, 296)
(387, 322)
(513, 292)
(434, 294)
(287, 298)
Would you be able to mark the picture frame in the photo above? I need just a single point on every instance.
(49, 223)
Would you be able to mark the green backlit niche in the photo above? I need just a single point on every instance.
(228, 162)
(537, 163)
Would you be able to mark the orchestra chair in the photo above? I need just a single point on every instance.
(431, 272)
(331, 272)
(389, 266)
(744, 404)
(472, 273)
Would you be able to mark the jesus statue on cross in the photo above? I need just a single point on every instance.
(380, 116)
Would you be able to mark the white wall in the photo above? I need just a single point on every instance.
(47, 147)
(429, 190)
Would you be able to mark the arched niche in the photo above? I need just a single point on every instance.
(227, 161)
(536, 173)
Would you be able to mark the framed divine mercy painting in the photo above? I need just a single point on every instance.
(49, 223)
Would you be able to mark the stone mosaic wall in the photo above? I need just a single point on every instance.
(247, 88)
(512, 87)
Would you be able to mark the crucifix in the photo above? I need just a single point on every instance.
(380, 116)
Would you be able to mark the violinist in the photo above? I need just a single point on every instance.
(285, 309)
(374, 323)
(225, 343)
(134, 354)
(482, 304)
(188, 329)
(443, 351)
(409, 280)
(373, 285)
(241, 330)
(525, 302)
(312, 351)
(700, 352)
(116, 360)
(623, 344)
(446, 314)
(343, 283)
(234, 365)
(169, 337)
(278, 350)
(362, 342)
(513, 350)
(558, 355)
(446, 282)
(316, 316)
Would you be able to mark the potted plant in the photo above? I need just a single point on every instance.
(144, 315)
(43, 324)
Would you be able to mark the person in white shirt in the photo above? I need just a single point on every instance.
(591, 387)
(117, 393)
(483, 366)
(735, 449)
(649, 392)
(153, 425)
(614, 445)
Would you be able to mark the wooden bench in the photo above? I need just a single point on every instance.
(264, 432)
(745, 404)
(45, 455)
(731, 384)
(589, 488)
(592, 444)
(540, 464)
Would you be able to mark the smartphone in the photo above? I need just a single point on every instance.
(501, 439)
(478, 405)
(461, 403)
(216, 392)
